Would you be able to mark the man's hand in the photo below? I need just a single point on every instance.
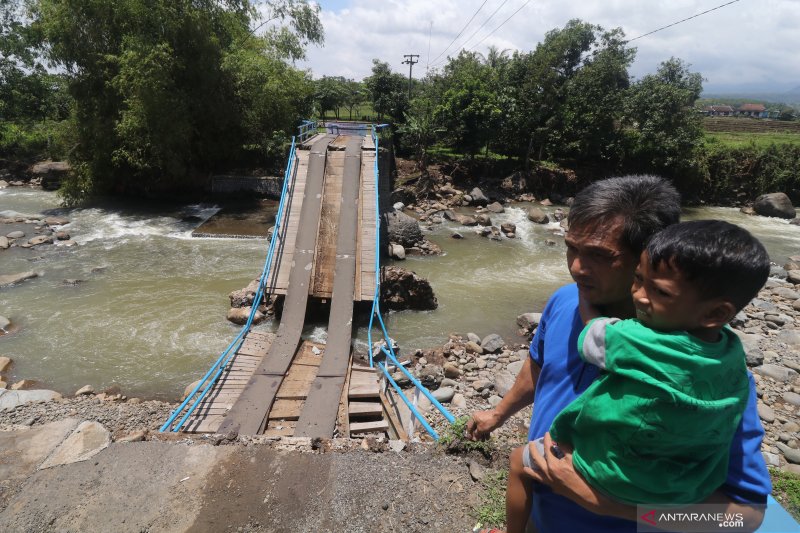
(481, 423)
(561, 477)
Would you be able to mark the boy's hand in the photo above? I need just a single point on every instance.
(587, 311)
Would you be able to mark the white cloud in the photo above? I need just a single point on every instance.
(753, 43)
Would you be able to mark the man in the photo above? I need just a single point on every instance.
(609, 223)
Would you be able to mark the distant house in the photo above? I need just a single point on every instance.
(752, 110)
(718, 111)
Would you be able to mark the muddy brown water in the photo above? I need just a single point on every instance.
(149, 312)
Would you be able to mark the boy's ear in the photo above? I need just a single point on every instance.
(719, 313)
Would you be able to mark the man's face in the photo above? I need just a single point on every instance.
(599, 263)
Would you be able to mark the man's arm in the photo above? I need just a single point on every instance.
(560, 475)
(520, 396)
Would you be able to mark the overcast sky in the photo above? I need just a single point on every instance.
(751, 44)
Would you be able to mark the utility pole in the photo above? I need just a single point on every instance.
(410, 62)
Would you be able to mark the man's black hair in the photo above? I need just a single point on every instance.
(647, 205)
(720, 259)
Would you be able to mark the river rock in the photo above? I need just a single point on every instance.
(396, 251)
(503, 381)
(529, 320)
(402, 229)
(4, 244)
(492, 343)
(791, 455)
(12, 279)
(444, 394)
(403, 289)
(5, 363)
(244, 297)
(483, 220)
(478, 198)
(791, 398)
(766, 413)
(777, 272)
(451, 371)
(775, 204)
(56, 221)
(516, 366)
(496, 207)
(85, 390)
(466, 220)
(4, 325)
(430, 376)
(790, 337)
(494, 400)
(473, 347)
(793, 276)
(776, 372)
(50, 172)
(239, 315)
(459, 401)
(538, 216)
(10, 399)
(40, 239)
(474, 338)
(62, 235)
(508, 228)
(456, 235)
(16, 235)
(88, 439)
(786, 293)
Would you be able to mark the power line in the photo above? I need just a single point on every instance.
(503, 23)
(684, 20)
(462, 29)
(468, 39)
(482, 25)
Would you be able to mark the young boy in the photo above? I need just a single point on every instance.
(657, 426)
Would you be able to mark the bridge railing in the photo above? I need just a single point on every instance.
(386, 345)
(307, 129)
(196, 396)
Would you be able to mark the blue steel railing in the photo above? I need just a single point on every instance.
(387, 347)
(307, 129)
(219, 365)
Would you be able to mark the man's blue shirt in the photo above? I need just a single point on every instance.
(564, 376)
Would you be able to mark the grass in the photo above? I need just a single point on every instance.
(359, 112)
(786, 489)
(454, 441)
(492, 510)
(737, 139)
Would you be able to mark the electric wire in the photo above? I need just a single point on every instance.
(462, 30)
(683, 20)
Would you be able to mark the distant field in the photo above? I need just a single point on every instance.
(359, 113)
(737, 132)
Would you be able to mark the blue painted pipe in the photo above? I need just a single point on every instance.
(417, 414)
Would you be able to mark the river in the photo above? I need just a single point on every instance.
(149, 313)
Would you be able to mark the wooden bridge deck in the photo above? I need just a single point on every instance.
(365, 258)
(277, 384)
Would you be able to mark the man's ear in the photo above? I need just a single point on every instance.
(719, 313)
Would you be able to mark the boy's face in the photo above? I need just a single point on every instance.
(666, 301)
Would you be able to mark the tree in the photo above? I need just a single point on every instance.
(420, 131)
(168, 90)
(663, 130)
(387, 91)
(331, 94)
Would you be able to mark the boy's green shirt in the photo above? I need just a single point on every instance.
(657, 426)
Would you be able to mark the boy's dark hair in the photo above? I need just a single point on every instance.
(647, 204)
(720, 259)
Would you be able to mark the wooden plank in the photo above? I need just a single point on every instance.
(304, 373)
(293, 390)
(368, 427)
(286, 409)
(370, 391)
(204, 424)
(280, 428)
(391, 415)
(314, 421)
(362, 409)
(342, 418)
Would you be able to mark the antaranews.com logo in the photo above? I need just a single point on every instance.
(696, 518)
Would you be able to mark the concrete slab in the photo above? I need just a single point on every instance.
(130, 487)
(88, 439)
(22, 451)
(12, 398)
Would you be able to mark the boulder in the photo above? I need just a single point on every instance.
(5, 363)
(16, 235)
(239, 315)
(496, 207)
(478, 198)
(466, 220)
(775, 204)
(793, 276)
(13, 279)
(88, 439)
(508, 228)
(403, 289)
(10, 399)
(474, 338)
(484, 220)
(456, 235)
(402, 229)
(85, 390)
(4, 325)
(396, 251)
(56, 221)
(538, 216)
(4, 244)
(529, 321)
(492, 343)
(244, 297)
